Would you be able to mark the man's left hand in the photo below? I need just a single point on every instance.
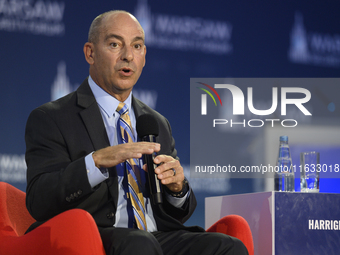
(170, 172)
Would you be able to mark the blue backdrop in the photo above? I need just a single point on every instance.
(42, 58)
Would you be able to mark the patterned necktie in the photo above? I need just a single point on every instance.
(132, 169)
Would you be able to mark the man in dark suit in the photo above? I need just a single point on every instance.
(74, 158)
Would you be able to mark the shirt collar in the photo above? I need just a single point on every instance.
(105, 101)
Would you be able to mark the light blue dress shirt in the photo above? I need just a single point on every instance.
(108, 105)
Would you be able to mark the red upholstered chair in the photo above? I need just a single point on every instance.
(72, 232)
(236, 226)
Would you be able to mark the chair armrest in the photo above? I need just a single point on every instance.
(236, 226)
(71, 232)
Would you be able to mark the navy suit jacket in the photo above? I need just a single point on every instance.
(58, 136)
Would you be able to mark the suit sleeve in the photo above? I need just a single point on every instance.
(168, 148)
(54, 182)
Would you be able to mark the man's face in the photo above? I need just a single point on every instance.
(118, 55)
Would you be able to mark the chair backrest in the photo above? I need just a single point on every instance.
(14, 217)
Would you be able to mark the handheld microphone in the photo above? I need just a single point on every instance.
(147, 130)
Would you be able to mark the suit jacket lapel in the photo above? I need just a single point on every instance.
(92, 117)
(93, 121)
(137, 107)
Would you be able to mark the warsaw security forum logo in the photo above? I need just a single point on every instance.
(43, 17)
(313, 48)
(61, 85)
(198, 34)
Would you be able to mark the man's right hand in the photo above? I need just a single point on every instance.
(114, 155)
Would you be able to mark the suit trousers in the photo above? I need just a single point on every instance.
(126, 241)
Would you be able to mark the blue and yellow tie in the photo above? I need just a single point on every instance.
(132, 168)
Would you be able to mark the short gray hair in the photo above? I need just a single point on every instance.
(96, 24)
